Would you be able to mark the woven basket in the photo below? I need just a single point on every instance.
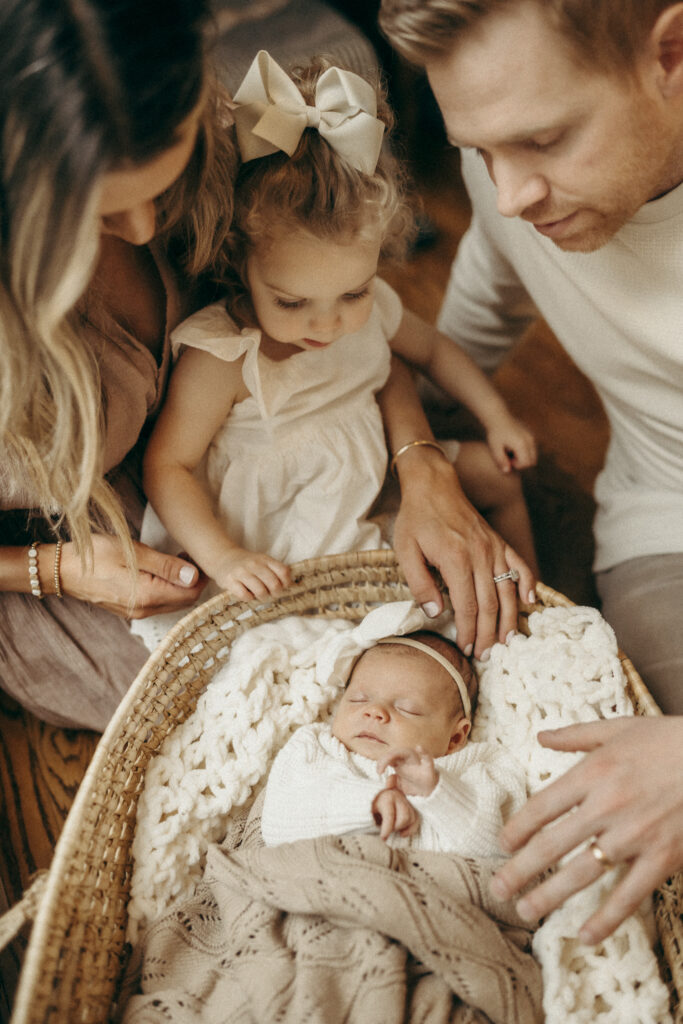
(77, 952)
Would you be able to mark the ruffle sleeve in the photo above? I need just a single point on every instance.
(212, 330)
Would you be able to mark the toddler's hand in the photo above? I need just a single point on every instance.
(393, 812)
(416, 774)
(512, 444)
(247, 574)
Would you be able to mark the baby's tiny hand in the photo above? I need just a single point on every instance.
(416, 774)
(248, 574)
(512, 444)
(394, 813)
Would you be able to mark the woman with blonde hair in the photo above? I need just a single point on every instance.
(116, 182)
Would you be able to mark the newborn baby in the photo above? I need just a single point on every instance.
(396, 759)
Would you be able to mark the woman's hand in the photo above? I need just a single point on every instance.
(437, 526)
(393, 812)
(248, 574)
(626, 793)
(164, 583)
(512, 444)
(416, 774)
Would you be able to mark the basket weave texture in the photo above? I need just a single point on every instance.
(77, 952)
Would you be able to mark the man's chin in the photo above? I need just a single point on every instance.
(590, 239)
(584, 242)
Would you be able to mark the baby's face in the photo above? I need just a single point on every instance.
(397, 700)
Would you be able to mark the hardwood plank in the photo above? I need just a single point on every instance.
(41, 768)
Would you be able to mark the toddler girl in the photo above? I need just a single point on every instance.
(408, 706)
(270, 446)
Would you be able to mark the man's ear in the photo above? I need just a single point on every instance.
(666, 40)
(460, 734)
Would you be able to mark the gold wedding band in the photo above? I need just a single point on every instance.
(603, 860)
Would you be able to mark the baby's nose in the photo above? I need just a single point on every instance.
(376, 711)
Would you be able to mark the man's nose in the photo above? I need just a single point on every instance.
(518, 187)
(136, 225)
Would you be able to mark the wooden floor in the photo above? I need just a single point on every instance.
(41, 766)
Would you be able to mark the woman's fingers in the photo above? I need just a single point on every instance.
(526, 584)
(178, 571)
(418, 576)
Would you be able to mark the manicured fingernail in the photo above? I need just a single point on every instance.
(508, 638)
(468, 650)
(188, 575)
(524, 909)
(431, 609)
(531, 599)
(498, 889)
(485, 655)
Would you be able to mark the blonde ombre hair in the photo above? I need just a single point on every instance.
(606, 35)
(87, 86)
(317, 191)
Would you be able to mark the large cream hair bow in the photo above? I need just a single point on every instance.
(271, 114)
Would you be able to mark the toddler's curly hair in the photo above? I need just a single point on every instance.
(317, 191)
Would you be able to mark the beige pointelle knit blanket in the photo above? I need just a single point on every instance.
(338, 929)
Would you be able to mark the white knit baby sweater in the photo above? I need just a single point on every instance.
(317, 787)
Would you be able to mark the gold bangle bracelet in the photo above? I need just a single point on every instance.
(414, 444)
(58, 560)
(33, 574)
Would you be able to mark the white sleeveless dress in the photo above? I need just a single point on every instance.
(297, 466)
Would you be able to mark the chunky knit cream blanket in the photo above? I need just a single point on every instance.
(288, 673)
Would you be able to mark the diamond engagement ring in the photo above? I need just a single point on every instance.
(511, 574)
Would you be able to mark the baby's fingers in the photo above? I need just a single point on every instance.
(405, 817)
(412, 828)
(503, 456)
(396, 758)
(281, 572)
(387, 819)
(523, 451)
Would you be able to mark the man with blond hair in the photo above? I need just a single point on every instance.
(569, 115)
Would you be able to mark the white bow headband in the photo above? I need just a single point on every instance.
(271, 114)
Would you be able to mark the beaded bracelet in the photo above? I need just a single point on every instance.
(413, 444)
(33, 575)
(58, 559)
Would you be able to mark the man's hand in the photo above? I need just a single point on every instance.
(393, 812)
(416, 774)
(627, 793)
